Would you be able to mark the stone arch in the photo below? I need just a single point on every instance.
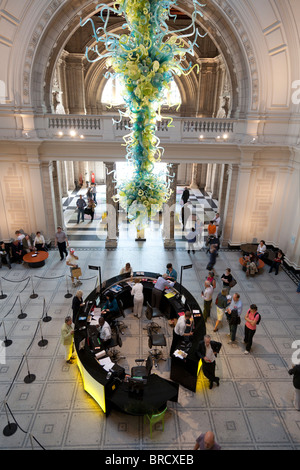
(241, 65)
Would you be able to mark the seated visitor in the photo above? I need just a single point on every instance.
(17, 252)
(4, 255)
(110, 309)
(28, 244)
(39, 242)
(19, 236)
(278, 260)
(251, 266)
(261, 249)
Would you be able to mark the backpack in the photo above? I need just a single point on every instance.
(259, 318)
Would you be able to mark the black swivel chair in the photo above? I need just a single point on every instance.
(116, 340)
(121, 325)
(150, 314)
(156, 340)
(141, 370)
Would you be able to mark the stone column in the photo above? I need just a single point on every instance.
(63, 81)
(208, 87)
(61, 166)
(111, 208)
(194, 178)
(75, 83)
(47, 196)
(70, 175)
(56, 194)
(219, 88)
(169, 212)
(208, 177)
(216, 181)
(228, 212)
(202, 173)
(243, 199)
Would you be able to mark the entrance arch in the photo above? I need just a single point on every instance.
(48, 51)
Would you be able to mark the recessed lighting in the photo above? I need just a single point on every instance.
(60, 134)
(201, 137)
(225, 136)
(82, 136)
(73, 133)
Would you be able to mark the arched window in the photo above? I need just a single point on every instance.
(113, 94)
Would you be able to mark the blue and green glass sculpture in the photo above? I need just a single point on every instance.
(145, 59)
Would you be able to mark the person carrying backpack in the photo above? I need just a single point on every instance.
(233, 320)
(252, 319)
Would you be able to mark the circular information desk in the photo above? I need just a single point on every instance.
(111, 390)
(36, 259)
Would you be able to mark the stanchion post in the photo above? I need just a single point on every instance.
(68, 294)
(43, 342)
(33, 295)
(10, 428)
(46, 319)
(30, 377)
(22, 314)
(2, 296)
(6, 342)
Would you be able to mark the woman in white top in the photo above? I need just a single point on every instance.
(138, 298)
(261, 249)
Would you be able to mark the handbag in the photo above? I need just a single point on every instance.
(76, 272)
(232, 283)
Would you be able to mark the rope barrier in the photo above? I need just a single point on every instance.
(10, 430)
(10, 280)
(25, 432)
(57, 277)
(9, 310)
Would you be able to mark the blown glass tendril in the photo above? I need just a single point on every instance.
(145, 59)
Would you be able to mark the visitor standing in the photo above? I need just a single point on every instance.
(81, 204)
(252, 317)
(61, 242)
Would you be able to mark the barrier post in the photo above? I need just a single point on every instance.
(30, 377)
(22, 314)
(10, 428)
(43, 342)
(6, 342)
(2, 296)
(33, 295)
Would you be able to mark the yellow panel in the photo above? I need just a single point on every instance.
(92, 386)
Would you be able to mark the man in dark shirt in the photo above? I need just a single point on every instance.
(185, 195)
(80, 206)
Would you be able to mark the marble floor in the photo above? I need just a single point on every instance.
(252, 408)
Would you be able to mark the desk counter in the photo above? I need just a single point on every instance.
(105, 390)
